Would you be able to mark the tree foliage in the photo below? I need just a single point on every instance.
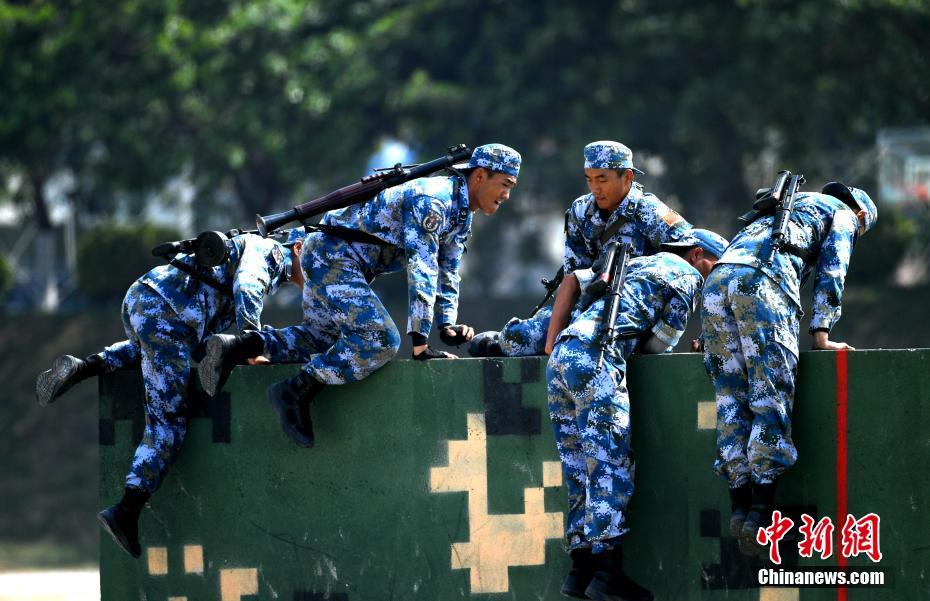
(110, 258)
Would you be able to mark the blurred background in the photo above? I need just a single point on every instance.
(125, 123)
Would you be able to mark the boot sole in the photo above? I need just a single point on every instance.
(281, 410)
(211, 368)
(53, 382)
(118, 537)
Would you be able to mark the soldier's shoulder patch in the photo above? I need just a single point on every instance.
(672, 218)
(431, 221)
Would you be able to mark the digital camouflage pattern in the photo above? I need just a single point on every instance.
(590, 409)
(608, 155)
(347, 333)
(649, 223)
(750, 331)
(820, 224)
(166, 314)
(495, 157)
(751, 320)
(424, 224)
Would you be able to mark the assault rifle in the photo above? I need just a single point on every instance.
(365, 189)
(612, 278)
(779, 198)
(551, 286)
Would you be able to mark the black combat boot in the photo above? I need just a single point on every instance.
(610, 582)
(486, 344)
(223, 352)
(580, 575)
(66, 371)
(122, 520)
(291, 399)
(759, 516)
(740, 502)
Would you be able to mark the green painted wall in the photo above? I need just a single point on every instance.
(441, 481)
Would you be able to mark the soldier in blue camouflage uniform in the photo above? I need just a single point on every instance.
(166, 314)
(590, 409)
(347, 334)
(617, 208)
(751, 319)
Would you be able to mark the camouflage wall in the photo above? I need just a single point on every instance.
(441, 481)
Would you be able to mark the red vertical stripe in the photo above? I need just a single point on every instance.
(841, 457)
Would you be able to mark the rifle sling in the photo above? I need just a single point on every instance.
(805, 255)
(201, 277)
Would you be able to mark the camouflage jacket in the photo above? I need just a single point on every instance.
(256, 267)
(659, 293)
(821, 225)
(648, 224)
(424, 224)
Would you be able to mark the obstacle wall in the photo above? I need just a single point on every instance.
(441, 481)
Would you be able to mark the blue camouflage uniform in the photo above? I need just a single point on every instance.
(590, 409)
(647, 223)
(421, 227)
(751, 318)
(166, 314)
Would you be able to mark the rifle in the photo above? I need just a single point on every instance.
(365, 189)
(551, 286)
(779, 198)
(616, 260)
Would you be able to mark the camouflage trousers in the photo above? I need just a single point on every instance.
(750, 330)
(526, 337)
(163, 342)
(590, 414)
(347, 333)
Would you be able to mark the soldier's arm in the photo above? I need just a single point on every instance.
(421, 246)
(658, 223)
(565, 299)
(673, 318)
(577, 255)
(252, 281)
(829, 278)
(447, 297)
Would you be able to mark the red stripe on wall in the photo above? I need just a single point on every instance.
(842, 381)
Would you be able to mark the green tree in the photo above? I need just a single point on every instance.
(110, 258)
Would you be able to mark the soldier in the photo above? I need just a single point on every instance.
(589, 406)
(617, 208)
(166, 314)
(347, 333)
(751, 318)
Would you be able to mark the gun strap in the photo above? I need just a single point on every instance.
(612, 229)
(346, 233)
(204, 278)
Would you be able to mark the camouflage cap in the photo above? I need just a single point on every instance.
(866, 204)
(850, 196)
(710, 241)
(495, 157)
(608, 155)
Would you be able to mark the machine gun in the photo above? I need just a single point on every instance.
(779, 199)
(615, 263)
(363, 190)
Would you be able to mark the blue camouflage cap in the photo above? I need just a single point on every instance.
(607, 154)
(866, 204)
(710, 241)
(289, 237)
(850, 195)
(495, 157)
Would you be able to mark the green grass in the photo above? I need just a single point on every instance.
(29, 556)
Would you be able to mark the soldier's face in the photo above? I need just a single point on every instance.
(701, 260)
(487, 190)
(608, 186)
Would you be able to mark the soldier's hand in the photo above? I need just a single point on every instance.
(260, 360)
(822, 342)
(425, 353)
(697, 345)
(456, 335)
